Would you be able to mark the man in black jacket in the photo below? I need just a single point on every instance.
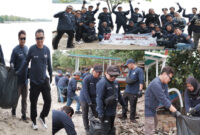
(172, 9)
(103, 29)
(66, 24)
(190, 16)
(121, 19)
(106, 17)
(151, 17)
(89, 34)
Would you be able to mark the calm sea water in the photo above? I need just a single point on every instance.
(9, 35)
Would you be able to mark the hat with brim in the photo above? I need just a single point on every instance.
(98, 68)
(129, 61)
(113, 70)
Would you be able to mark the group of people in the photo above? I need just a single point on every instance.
(99, 97)
(167, 28)
(40, 58)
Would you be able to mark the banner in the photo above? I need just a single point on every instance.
(129, 39)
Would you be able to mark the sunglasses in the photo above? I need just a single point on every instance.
(22, 38)
(113, 76)
(39, 38)
(169, 77)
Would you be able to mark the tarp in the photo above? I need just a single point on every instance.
(8, 87)
(188, 125)
(129, 39)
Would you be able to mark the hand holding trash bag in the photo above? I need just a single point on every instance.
(139, 94)
(176, 114)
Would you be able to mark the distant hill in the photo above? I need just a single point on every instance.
(68, 1)
(12, 18)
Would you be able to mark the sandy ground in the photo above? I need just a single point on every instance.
(14, 126)
(95, 45)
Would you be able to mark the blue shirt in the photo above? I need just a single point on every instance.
(192, 103)
(18, 57)
(138, 75)
(57, 78)
(40, 61)
(156, 93)
(63, 82)
(88, 91)
(72, 86)
(66, 21)
(62, 120)
(105, 89)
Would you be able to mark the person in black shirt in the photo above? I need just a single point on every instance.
(163, 17)
(151, 17)
(121, 19)
(104, 29)
(63, 119)
(105, 17)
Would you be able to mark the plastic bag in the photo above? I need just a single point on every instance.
(8, 89)
(188, 125)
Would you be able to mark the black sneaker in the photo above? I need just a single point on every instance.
(24, 118)
(13, 112)
(78, 112)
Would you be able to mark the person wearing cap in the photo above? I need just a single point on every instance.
(121, 18)
(62, 119)
(104, 29)
(40, 57)
(90, 14)
(196, 29)
(130, 28)
(62, 87)
(79, 27)
(86, 72)
(57, 78)
(71, 91)
(105, 16)
(135, 15)
(88, 95)
(190, 16)
(108, 96)
(192, 97)
(156, 94)
(163, 17)
(66, 24)
(133, 90)
(18, 57)
(89, 33)
(172, 10)
(168, 22)
(2, 61)
(151, 17)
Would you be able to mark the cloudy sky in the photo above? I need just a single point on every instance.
(26, 8)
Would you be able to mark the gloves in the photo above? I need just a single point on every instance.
(84, 2)
(129, 1)
(176, 114)
(192, 111)
(178, 4)
(98, 4)
(139, 94)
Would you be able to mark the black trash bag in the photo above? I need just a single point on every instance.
(95, 127)
(8, 90)
(187, 125)
(3, 76)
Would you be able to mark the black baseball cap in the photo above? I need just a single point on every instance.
(113, 70)
(98, 68)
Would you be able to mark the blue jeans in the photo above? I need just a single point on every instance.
(70, 100)
(183, 46)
